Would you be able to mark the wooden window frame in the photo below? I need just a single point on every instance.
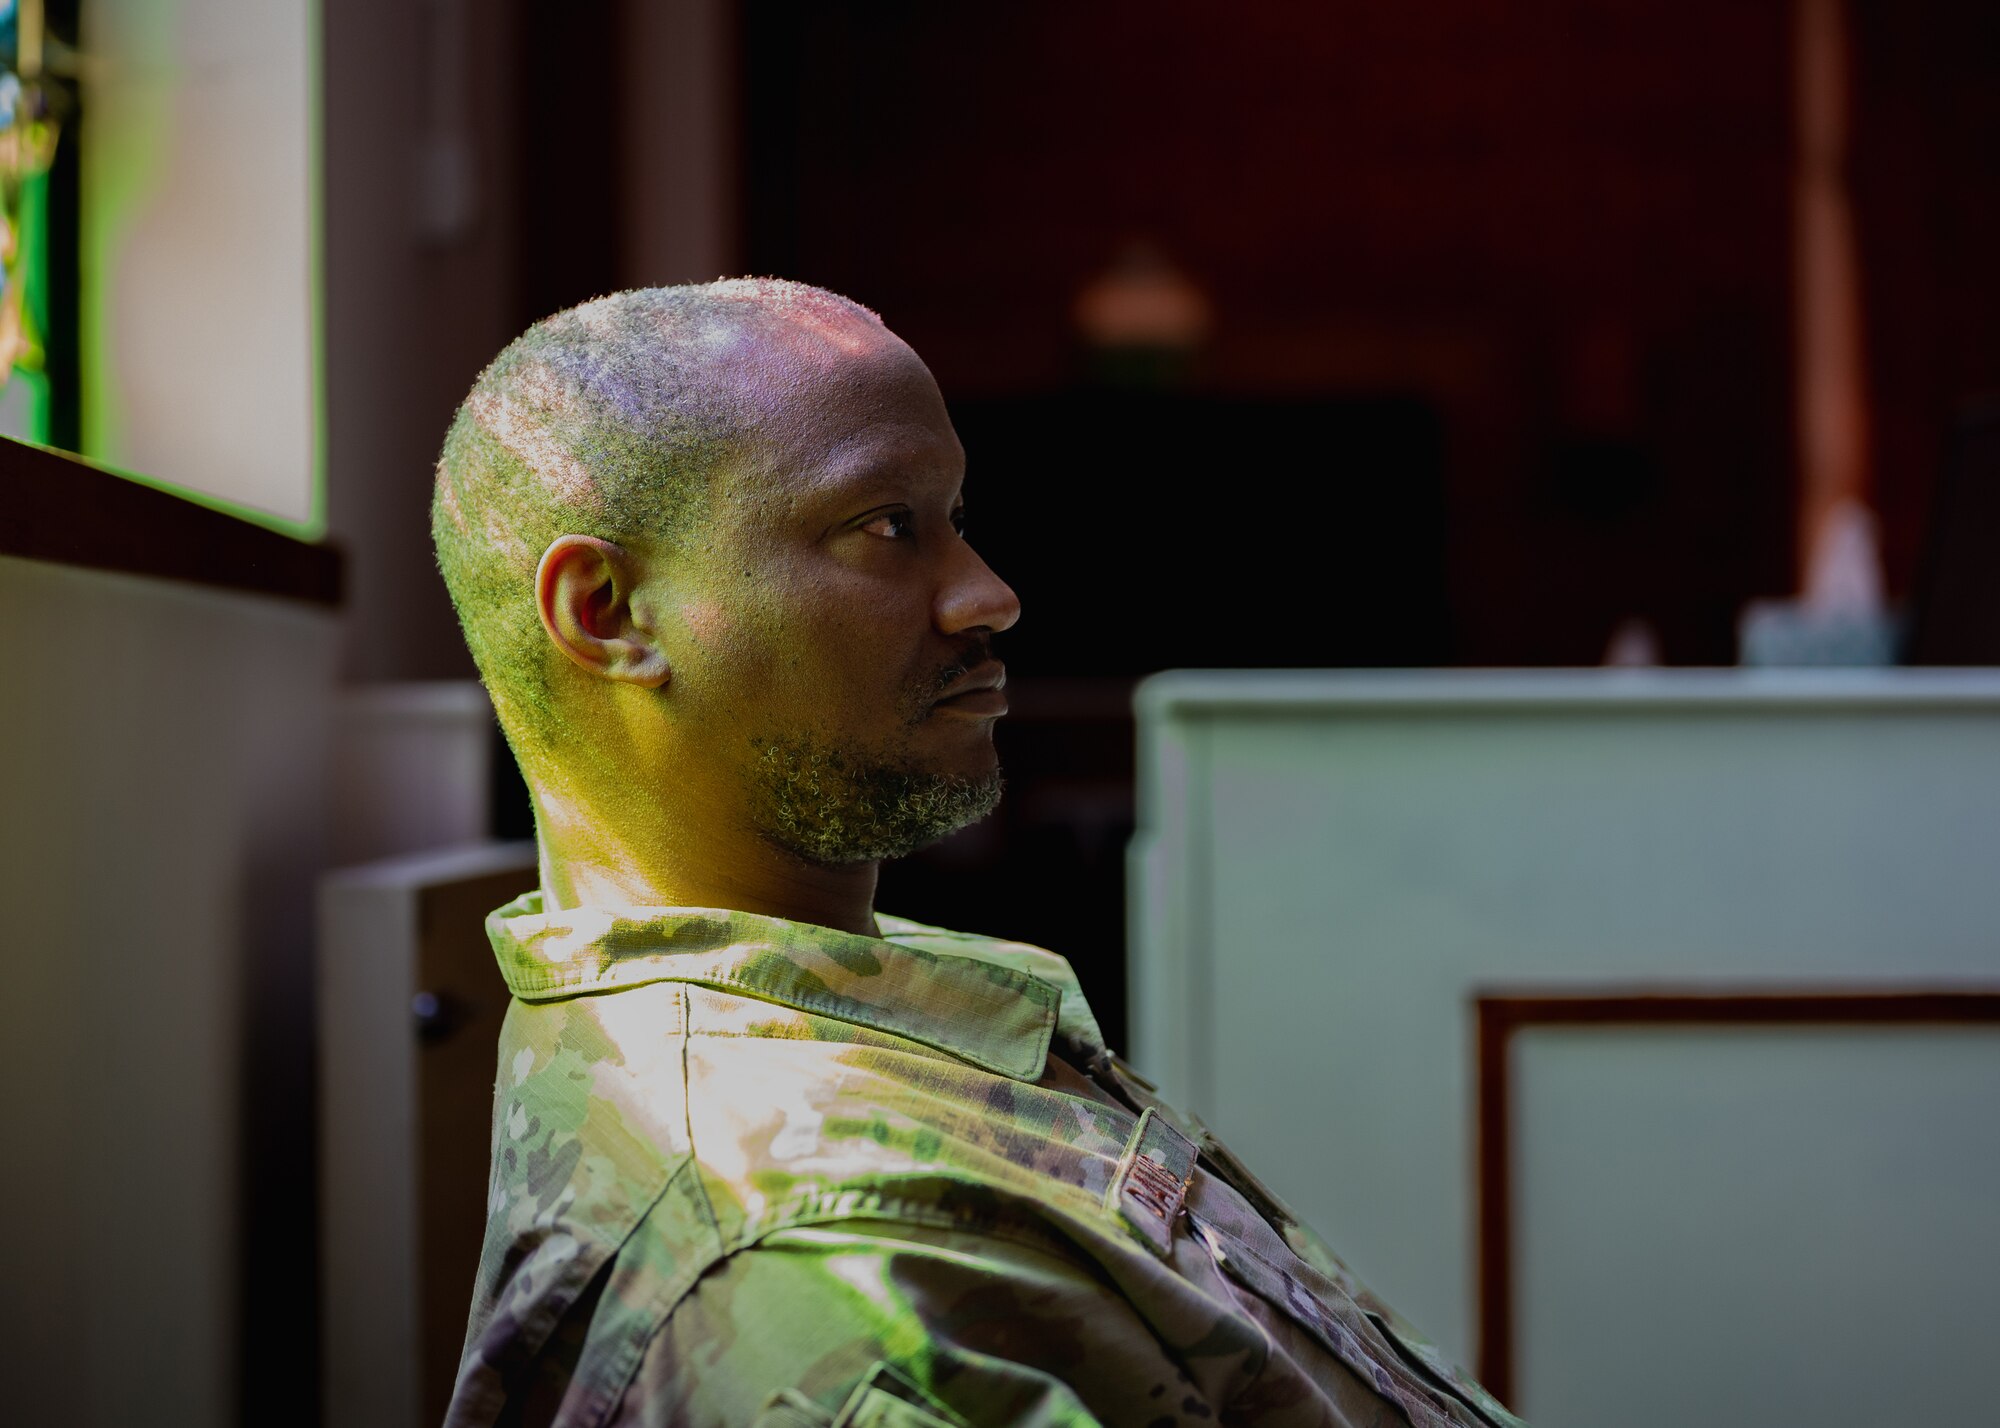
(64, 509)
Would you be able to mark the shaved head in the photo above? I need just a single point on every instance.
(609, 420)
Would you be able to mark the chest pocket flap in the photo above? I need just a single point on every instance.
(883, 1399)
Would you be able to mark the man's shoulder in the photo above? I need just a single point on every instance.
(643, 1136)
(1023, 956)
(794, 1117)
(777, 1111)
(1077, 1020)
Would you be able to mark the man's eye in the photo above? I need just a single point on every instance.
(892, 525)
(896, 525)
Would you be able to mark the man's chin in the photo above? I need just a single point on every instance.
(832, 808)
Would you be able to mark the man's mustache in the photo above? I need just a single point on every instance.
(979, 651)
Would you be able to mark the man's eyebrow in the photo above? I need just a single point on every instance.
(837, 485)
(854, 486)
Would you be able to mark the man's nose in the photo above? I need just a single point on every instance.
(974, 596)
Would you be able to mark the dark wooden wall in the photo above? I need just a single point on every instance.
(1566, 228)
(1926, 184)
(1566, 225)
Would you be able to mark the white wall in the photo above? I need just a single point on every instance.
(162, 755)
(412, 769)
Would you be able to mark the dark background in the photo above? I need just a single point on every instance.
(1501, 342)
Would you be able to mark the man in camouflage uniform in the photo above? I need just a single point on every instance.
(760, 1154)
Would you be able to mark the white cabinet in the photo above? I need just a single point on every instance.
(1723, 1220)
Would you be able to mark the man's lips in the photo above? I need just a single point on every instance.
(990, 675)
(977, 691)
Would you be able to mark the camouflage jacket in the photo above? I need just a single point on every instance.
(756, 1172)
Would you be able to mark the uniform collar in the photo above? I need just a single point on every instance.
(995, 1004)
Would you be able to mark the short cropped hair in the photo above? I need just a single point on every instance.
(605, 420)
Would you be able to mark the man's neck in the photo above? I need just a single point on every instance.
(587, 860)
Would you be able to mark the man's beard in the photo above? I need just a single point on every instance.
(833, 807)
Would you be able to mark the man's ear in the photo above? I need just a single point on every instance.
(583, 591)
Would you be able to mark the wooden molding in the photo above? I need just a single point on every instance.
(1501, 1014)
(63, 509)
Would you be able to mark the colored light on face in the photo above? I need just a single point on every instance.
(833, 627)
